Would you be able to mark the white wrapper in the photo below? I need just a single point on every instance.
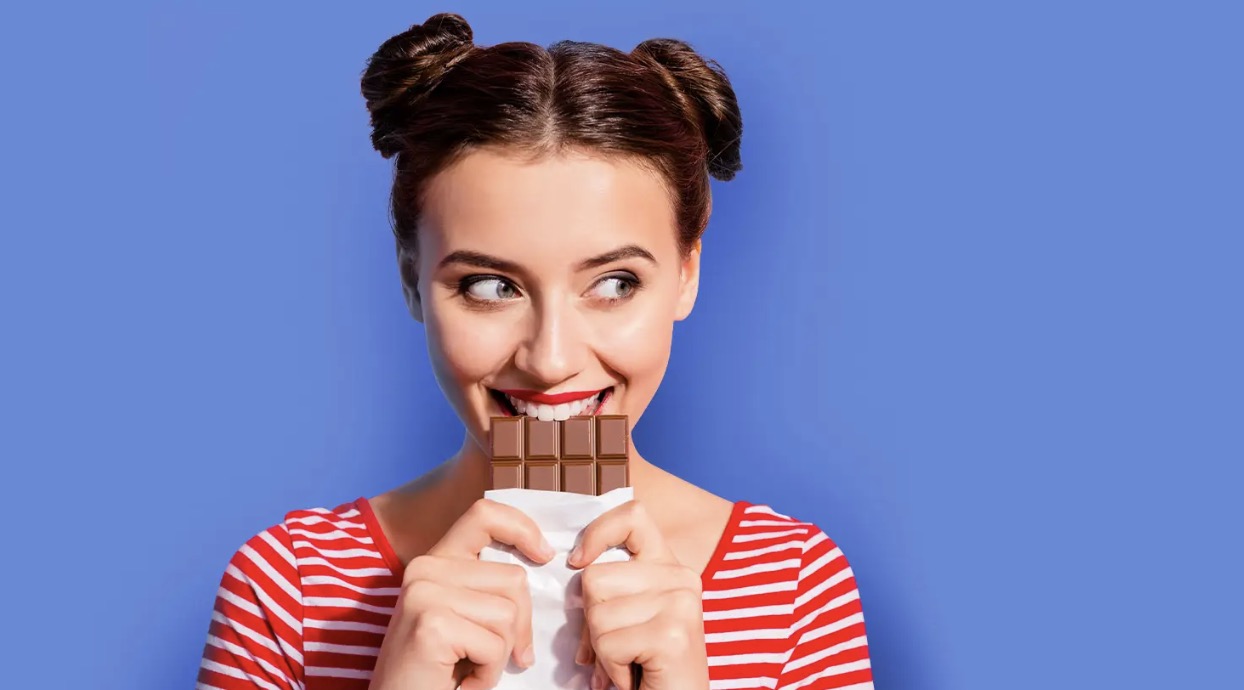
(556, 594)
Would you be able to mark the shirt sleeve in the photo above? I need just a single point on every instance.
(830, 647)
(255, 637)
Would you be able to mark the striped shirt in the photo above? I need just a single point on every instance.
(305, 605)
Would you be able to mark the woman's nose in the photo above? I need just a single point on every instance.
(554, 350)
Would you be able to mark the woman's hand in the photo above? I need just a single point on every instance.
(644, 615)
(459, 619)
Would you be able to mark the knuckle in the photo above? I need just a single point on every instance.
(603, 645)
(639, 515)
(516, 579)
(688, 606)
(418, 569)
(418, 593)
(675, 638)
(482, 508)
(592, 618)
(495, 651)
(508, 612)
(431, 628)
(591, 579)
(591, 598)
(516, 587)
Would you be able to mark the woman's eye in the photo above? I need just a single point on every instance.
(614, 288)
(491, 290)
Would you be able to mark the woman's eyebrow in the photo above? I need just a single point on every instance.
(492, 263)
(630, 251)
(479, 260)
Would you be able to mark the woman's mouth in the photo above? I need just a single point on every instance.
(549, 407)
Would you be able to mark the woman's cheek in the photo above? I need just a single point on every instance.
(468, 347)
(638, 348)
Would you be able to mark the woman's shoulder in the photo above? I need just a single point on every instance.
(313, 551)
(339, 543)
(786, 583)
(759, 538)
(316, 574)
(313, 557)
(760, 522)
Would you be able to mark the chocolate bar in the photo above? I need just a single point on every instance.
(582, 455)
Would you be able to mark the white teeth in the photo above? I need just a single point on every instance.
(564, 411)
(520, 406)
(589, 406)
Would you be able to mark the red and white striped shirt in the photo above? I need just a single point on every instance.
(305, 605)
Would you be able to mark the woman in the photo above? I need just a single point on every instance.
(548, 207)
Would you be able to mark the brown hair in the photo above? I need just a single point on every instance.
(434, 95)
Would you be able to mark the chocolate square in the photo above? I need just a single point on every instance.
(612, 475)
(542, 475)
(507, 475)
(507, 438)
(611, 436)
(579, 477)
(577, 438)
(541, 439)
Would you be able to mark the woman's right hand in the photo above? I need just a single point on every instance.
(459, 620)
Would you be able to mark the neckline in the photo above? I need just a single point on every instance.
(382, 544)
(724, 541)
(378, 537)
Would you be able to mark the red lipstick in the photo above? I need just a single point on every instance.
(552, 399)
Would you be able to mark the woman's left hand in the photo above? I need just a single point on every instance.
(644, 613)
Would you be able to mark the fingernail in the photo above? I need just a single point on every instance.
(575, 555)
(580, 657)
(598, 683)
(546, 548)
(527, 657)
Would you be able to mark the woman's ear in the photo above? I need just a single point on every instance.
(408, 268)
(689, 282)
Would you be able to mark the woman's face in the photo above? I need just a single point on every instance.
(549, 288)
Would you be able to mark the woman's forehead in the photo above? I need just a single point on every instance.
(566, 203)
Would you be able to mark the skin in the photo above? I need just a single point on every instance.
(538, 314)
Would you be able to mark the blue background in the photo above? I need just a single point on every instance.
(976, 295)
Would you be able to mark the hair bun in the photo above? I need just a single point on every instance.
(707, 95)
(405, 69)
